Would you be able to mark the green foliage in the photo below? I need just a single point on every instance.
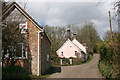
(109, 55)
(107, 70)
(88, 60)
(66, 62)
(77, 61)
(57, 37)
(88, 34)
(50, 70)
(14, 72)
(39, 77)
(45, 75)
(11, 39)
(102, 50)
(35, 77)
(109, 48)
(55, 60)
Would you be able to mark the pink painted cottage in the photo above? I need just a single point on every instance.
(72, 48)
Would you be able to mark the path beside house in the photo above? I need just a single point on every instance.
(88, 70)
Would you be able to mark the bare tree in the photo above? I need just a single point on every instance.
(13, 36)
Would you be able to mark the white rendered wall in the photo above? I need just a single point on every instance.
(68, 49)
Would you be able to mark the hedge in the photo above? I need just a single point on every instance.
(14, 72)
(107, 71)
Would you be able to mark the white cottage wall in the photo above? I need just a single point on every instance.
(68, 49)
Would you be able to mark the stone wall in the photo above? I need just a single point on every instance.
(44, 46)
(33, 46)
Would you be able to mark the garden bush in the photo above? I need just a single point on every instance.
(107, 70)
(77, 61)
(14, 72)
(50, 70)
(109, 50)
(65, 62)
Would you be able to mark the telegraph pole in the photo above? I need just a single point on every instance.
(110, 24)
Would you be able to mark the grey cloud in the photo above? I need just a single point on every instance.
(64, 13)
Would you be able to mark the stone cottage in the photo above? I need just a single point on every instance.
(38, 49)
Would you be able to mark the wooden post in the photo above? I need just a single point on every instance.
(70, 61)
(110, 24)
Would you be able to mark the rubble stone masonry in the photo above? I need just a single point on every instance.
(33, 46)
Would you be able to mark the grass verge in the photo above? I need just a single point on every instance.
(107, 70)
(39, 77)
(45, 75)
(89, 59)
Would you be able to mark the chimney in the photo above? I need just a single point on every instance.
(85, 45)
(68, 34)
(74, 36)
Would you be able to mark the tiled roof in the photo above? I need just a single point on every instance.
(79, 45)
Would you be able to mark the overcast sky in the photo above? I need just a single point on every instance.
(64, 12)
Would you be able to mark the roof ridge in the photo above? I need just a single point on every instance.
(21, 11)
(80, 44)
(66, 42)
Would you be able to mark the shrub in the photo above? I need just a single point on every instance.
(35, 77)
(107, 70)
(77, 61)
(55, 60)
(14, 72)
(50, 70)
(110, 55)
(65, 62)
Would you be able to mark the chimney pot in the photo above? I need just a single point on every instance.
(84, 44)
(68, 34)
(74, 36)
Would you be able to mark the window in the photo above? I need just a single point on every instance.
(18, 51)
(76, 53)
(23, 27)
(22, 50)
(83, 55)
(47, 57)
(61, 53)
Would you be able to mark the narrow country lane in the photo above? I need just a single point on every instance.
(88, 70)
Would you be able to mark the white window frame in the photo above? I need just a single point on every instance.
(21, 25)
(48, 57)
(23, 57)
